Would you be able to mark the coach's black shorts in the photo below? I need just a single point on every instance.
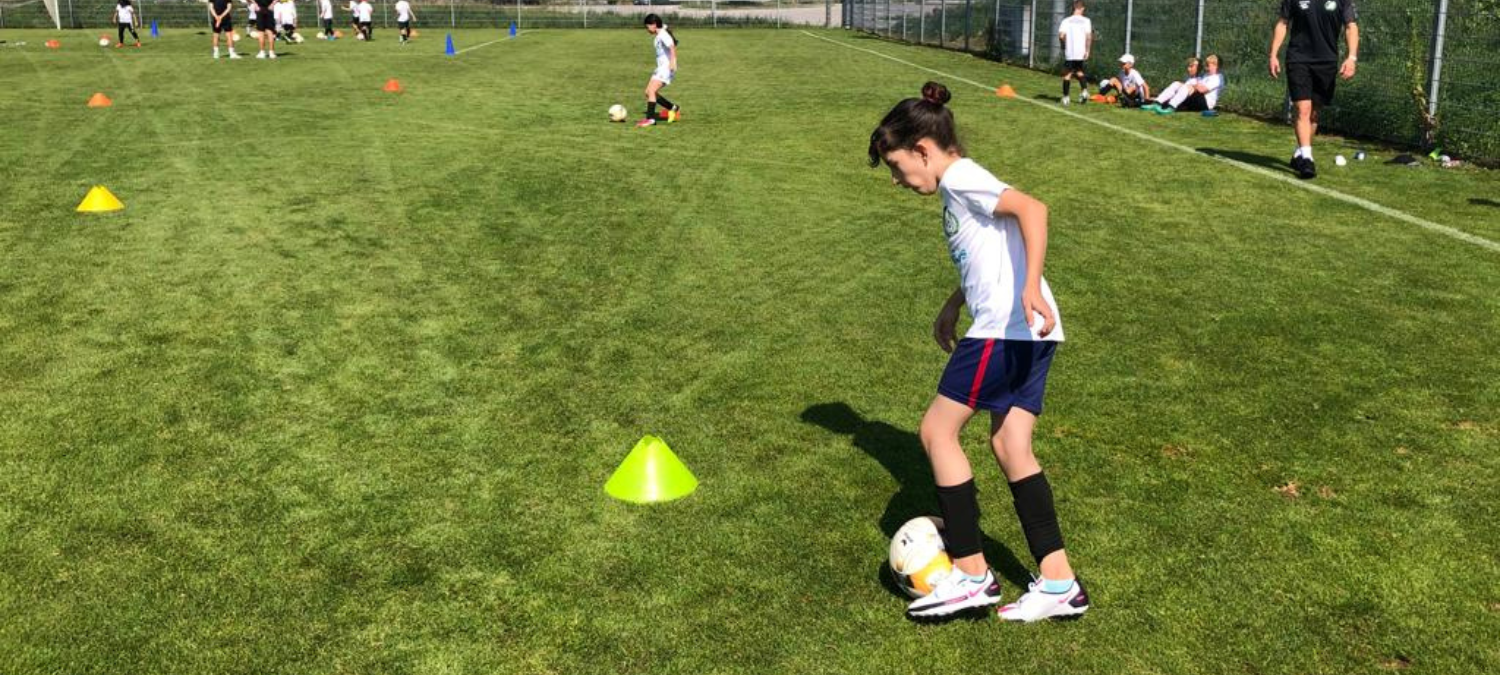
(264, 21)
(225, 26)
(1312, 82)
(1074, 66)
(404, 25)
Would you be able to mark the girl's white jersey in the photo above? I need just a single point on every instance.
(354, 8)
(127, 13)
(325, 9)
(403, 10)
(664, 45)
(250, 9)
(366, 10)
(990, 254)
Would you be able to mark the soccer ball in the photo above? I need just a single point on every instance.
(297, 38)
(918, 558)
(617, 113)
(103, 42)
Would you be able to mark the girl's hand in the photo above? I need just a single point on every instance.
(1032, 303)
(943, 328)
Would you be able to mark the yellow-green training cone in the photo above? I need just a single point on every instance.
(99, 200)
(651, 473)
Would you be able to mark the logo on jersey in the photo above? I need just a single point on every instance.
(1331, 5)
(1304, 4)
(950, 223)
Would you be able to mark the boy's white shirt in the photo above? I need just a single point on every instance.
(1075, 31)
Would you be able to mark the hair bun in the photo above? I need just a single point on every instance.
(936, 93)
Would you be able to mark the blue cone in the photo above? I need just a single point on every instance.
(512, 29)
(154, 33)
(449, 49)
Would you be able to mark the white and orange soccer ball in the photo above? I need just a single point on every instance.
(919, 560)
(618, 113)
(103, 41)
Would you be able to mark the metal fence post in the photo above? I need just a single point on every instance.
(1031, 38)
(995, 29)
(452, 15)
(1130, 21)
(1440, 25)
(921, 20)
(1198, 42)
(968, 21)
(887, 18)
(827, 13)
(943, 22)
(903, 21)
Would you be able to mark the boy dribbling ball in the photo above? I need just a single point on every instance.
(997, 236)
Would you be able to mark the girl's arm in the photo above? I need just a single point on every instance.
(674, 58)
(1032, 216)
(943, 328)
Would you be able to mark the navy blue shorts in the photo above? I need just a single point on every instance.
(996, 375)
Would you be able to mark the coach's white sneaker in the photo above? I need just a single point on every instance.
(1065, 101)
(955, 593)
(261, 54)
(233, 55)
(272, 56)
(1037, 604)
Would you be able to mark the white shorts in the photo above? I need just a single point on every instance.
(663, 74)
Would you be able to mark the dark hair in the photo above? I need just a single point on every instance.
(913, 120)
(654, 20)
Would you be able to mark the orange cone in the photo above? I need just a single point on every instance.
(53, 44)
(392, 86)
(1004, 91)
(99, 100)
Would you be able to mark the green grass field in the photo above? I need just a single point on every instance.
(339, 389)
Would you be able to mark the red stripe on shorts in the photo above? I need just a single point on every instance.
(984, 361)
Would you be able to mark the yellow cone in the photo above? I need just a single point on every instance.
(651, 473)
(99, 200)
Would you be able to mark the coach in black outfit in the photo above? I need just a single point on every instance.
(1312, 63)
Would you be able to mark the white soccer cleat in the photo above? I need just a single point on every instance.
(260, 55)
(956, 593)
(1065, 100)
(272, 55)
(1037, 605)
(233, 55)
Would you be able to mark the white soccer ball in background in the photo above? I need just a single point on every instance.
(617, 113)
(103, 42)
(919, 560)
(297, 38)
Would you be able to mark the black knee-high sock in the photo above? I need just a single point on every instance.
(665, 103)
(1067, 86)
(650, 110)
(122, 33)
(959, 505)
(1033, 499)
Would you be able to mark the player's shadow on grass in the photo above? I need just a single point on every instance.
(1481, 201)
(901, 453)
(1247, 158)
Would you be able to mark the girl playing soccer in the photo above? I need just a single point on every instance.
(997, 236)
(125, 20)
(666, 67)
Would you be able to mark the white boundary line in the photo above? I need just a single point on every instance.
(1350, 199)
(519, 33)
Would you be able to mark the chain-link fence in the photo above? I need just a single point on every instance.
(528, 14)
(1423, 64)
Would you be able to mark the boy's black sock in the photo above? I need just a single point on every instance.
(665, 103)
(959, 505)
(1067, 87)
(1033, 499)
(650, 110)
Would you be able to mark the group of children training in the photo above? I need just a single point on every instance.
(1198, 91)
(270, 21)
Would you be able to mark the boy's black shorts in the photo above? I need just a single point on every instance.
(225, 26)
(1070, 67)
(404, 25)
(1312, 82)
(265, 22)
